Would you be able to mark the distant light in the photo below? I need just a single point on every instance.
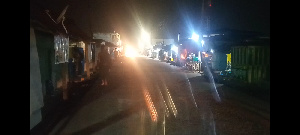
(213, 34)
(210, 5)
(211, 50)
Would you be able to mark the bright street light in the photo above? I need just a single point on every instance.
(130, 52)
(145, 36)
(195, 37)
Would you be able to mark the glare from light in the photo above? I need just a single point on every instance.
(141, 45)
(145, 36)
(195, 37)
(211, 50)
(175, 49)
(130, 52)
(145, 42)
(202, 42)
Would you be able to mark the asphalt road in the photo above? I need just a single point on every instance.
(149, 97)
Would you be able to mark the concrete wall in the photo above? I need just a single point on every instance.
(45, 48)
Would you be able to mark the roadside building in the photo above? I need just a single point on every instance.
(50, 42)
(251, 61)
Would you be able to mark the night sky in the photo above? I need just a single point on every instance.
(163, 18)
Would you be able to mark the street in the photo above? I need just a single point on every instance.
(150, 97)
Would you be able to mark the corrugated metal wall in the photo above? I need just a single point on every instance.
(251, 63)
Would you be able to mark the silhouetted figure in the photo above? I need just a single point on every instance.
(104, 64)
(116, 54)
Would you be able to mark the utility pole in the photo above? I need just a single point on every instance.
(205, 15)
(205, 26)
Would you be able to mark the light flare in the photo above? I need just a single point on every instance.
(130, 52)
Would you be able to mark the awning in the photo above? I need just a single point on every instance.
(98, 41)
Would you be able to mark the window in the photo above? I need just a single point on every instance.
(61, 47)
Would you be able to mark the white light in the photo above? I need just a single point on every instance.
(145, 39)
(145, 36)
(195, 37)
(130, 52)
(211, 50)
(175, 49)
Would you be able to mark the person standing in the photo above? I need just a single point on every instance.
(104, 64)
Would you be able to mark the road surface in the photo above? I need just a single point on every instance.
(150, 97)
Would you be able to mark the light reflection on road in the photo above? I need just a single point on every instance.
(167, 102)
(191, 89)
(150, 105)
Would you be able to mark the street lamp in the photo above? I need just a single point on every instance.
(195, 37)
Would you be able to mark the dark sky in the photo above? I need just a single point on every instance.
(163, 18)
